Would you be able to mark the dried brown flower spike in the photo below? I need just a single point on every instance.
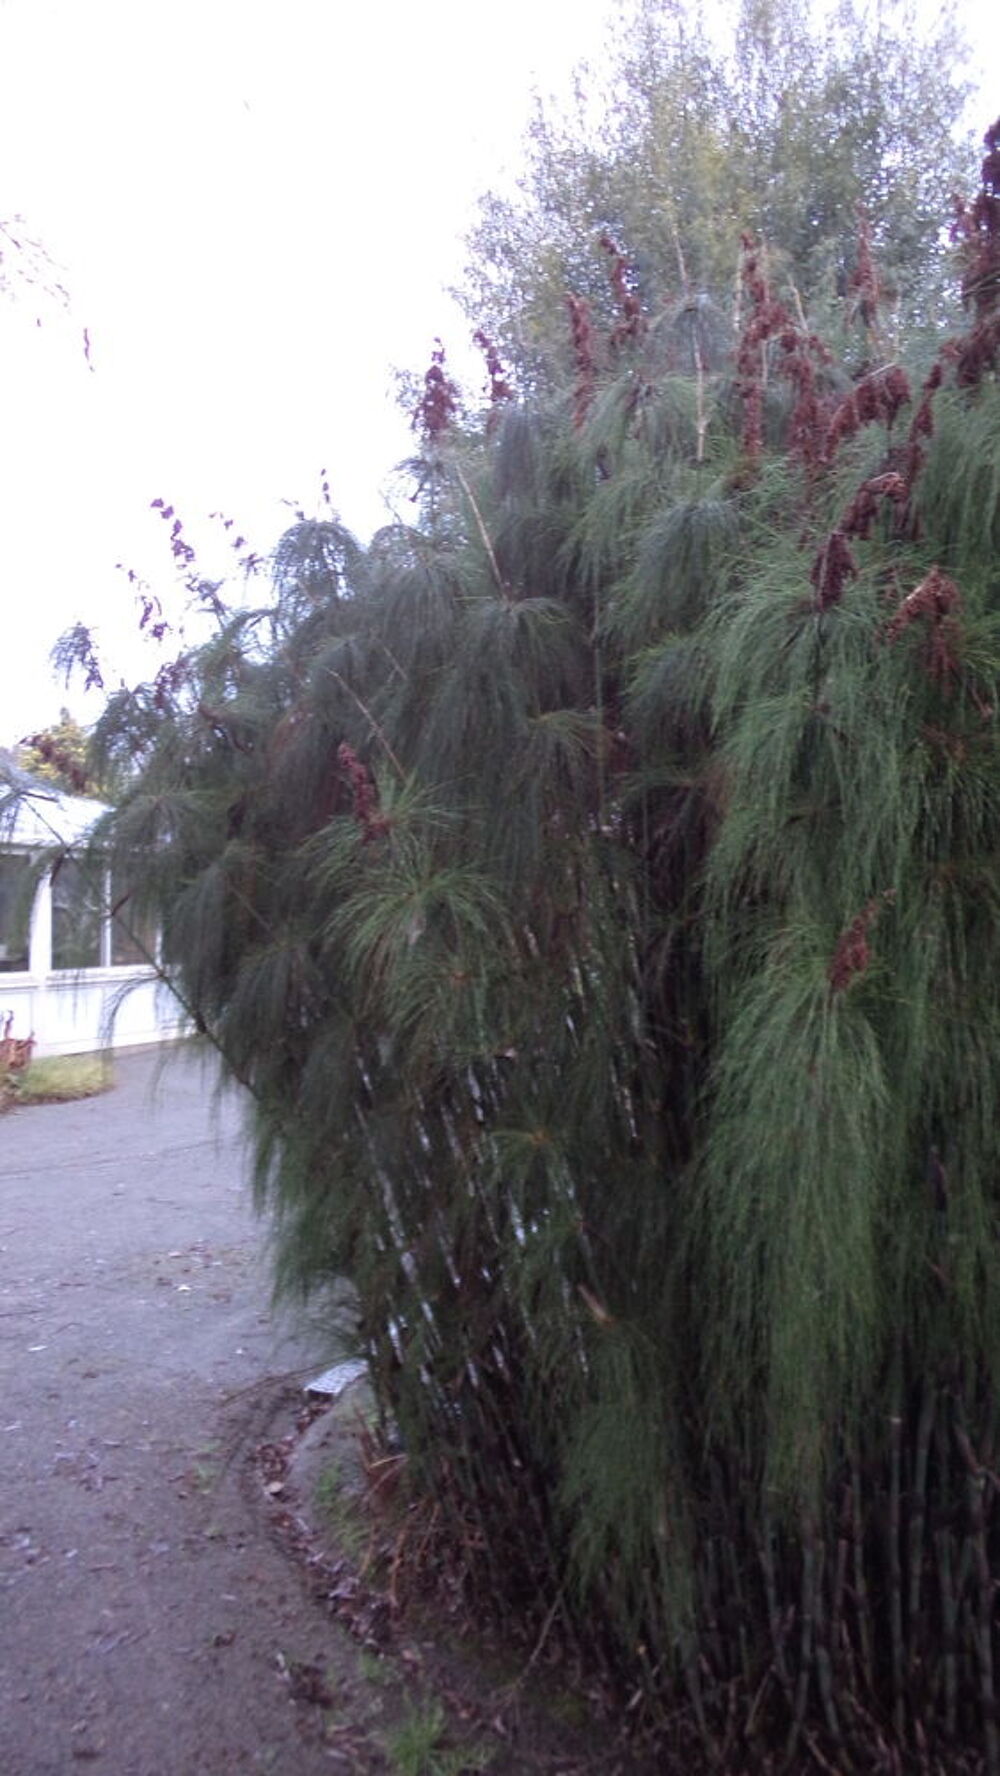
(365, 795)
(632, 322)
(938, 601)
(439, 402)
(852, 956)
(583, 352)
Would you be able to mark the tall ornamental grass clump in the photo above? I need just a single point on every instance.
(597, 886)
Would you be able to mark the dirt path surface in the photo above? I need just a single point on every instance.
(148, 1621)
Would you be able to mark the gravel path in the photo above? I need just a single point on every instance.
(146, 1615)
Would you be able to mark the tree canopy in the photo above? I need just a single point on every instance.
(797, 126)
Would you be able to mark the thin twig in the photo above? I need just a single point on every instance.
(860, 1580)
(773, 1613)
(895, 1572)
(550, 1617)
(701, 415)
(983, 1628)
(376, 728)
(501, 583)
(949, 1582)
(918, 1514)
(809, 1575)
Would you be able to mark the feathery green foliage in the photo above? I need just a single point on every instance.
(597, 888)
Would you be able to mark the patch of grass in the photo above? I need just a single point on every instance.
(375, 1669)
(59, 1079)
(567, 1706)
(327, 1493)
(339, 1513)
(418, 1747)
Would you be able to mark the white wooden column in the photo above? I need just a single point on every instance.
(40, 940)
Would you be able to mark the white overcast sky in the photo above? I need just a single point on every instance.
(256, 205)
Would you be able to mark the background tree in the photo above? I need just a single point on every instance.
(680, 145)
(58, 754)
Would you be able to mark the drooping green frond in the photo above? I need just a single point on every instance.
(960, 485)
(599, 893)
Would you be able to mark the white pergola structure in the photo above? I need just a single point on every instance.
(72, 975)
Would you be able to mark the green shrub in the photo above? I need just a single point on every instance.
(597, 888)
